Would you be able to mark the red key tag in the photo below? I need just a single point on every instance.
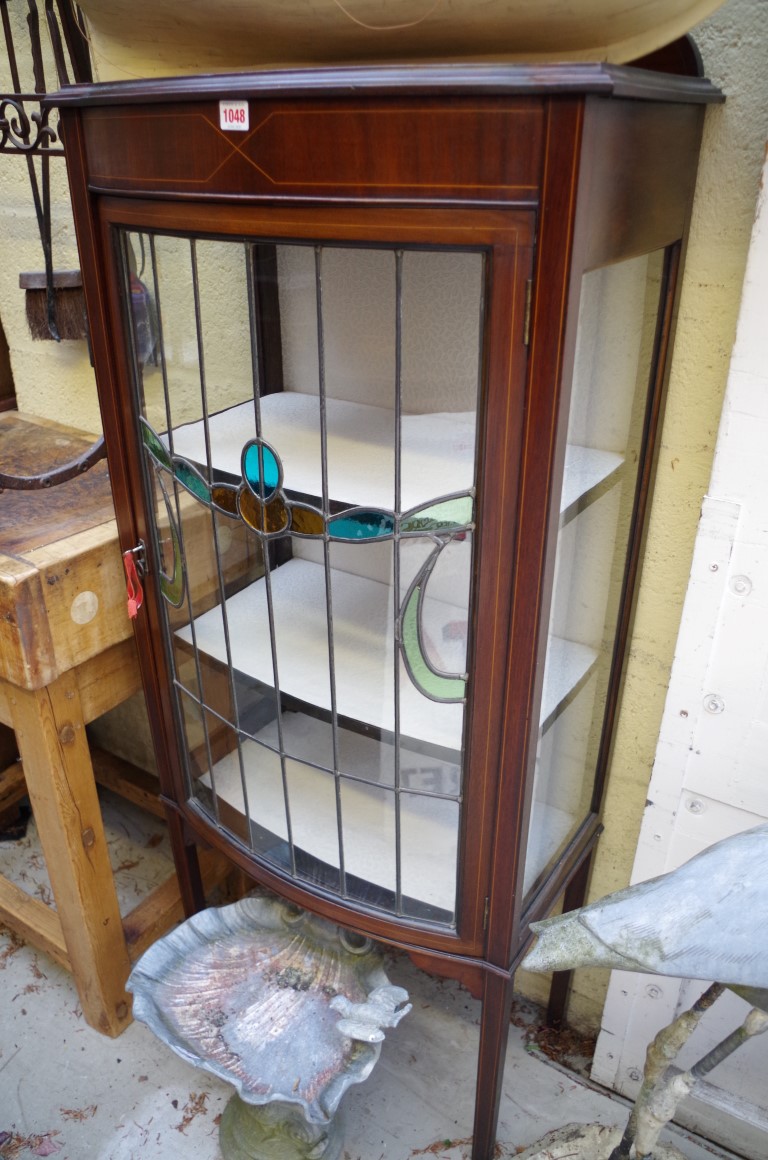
(133, 585)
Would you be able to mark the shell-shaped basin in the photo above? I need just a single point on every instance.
(252, 993)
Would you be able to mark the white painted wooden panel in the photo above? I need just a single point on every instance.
(710, 777)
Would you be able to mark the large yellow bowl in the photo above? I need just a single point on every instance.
(163, 37)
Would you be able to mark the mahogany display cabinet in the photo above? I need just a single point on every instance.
(380, 355)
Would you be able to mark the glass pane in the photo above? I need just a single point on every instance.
(308, 419)
(618, 318)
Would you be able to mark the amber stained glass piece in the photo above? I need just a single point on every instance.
(224, 496)
(267, 518)
(306, 521)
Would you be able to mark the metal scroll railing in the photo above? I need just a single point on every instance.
(29, 130)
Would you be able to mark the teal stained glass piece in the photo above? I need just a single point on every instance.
(189, 478)
(361, 525)
(431, 684)
(155, 446)
(449, 515)
(261, 469)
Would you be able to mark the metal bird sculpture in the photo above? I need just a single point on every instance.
(708, 919)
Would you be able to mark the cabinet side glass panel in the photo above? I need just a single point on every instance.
(308, 418)
(613, 368)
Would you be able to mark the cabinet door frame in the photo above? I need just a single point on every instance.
(506, 236)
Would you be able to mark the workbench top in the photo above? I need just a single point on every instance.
(62, 591)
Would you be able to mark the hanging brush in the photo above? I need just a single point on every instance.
(57, 311)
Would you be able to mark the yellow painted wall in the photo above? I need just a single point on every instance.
(51, 379)
(57, 382)
(734, 45)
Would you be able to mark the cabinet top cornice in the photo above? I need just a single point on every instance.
(446, 79)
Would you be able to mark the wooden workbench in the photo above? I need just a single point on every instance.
(66, 657)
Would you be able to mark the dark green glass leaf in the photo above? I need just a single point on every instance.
(155, 446)
(191, 480)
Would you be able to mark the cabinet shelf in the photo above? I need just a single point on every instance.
(363, 651)
(437, 452)
(588, 473)
(428, 825)
(363, 647)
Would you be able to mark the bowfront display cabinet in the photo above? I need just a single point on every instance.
(380, 355)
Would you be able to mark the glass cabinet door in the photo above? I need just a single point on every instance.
(613, 372)
(308, 415)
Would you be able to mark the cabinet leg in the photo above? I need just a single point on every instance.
(494, 1033)
(560, 988)
(62, 789)
(187, 862)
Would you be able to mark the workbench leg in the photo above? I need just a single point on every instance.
(50, 733)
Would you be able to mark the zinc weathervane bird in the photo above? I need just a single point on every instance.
(708, 919)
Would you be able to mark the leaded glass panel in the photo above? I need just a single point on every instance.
(310, 439)
(614, 365)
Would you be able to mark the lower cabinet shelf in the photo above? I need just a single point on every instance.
(359, 821)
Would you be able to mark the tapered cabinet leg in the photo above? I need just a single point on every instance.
(560, 989)
(50, 732)
(494, 1034)
(187, 861)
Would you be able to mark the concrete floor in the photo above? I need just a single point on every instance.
(69, 1092)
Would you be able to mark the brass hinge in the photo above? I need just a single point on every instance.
(527, 316)
(486, 912)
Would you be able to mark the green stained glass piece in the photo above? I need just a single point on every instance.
(267, 518)
(172, 587)
(191, 480)
(431, 684)
(447, 516)
(225, 497)
(261, 469)
(306, 521)
(155, 446)
(361, 525)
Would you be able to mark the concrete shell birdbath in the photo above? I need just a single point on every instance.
(285, 1006)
